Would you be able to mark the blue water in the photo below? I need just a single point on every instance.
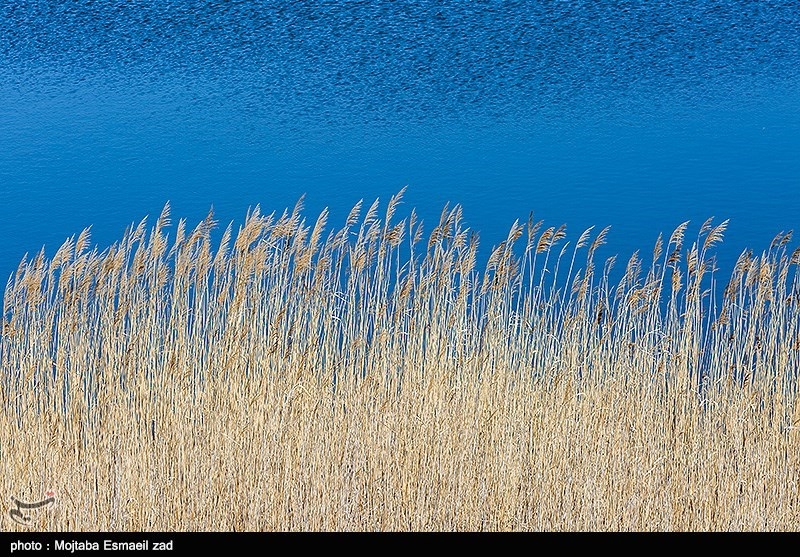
(634, 114)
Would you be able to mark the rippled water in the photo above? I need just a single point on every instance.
(639, 115)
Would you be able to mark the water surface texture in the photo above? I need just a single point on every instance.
(634, 114)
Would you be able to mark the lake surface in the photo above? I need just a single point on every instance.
(638, 115)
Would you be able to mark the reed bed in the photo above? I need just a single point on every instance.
(372, 378)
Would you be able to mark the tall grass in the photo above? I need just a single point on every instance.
(372, 377)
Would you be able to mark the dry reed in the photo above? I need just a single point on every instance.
(362, 380)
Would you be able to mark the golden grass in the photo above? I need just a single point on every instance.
(285, 379)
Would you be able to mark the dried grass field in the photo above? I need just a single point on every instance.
(288, 376)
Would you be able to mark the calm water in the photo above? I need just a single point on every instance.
(634, 114)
